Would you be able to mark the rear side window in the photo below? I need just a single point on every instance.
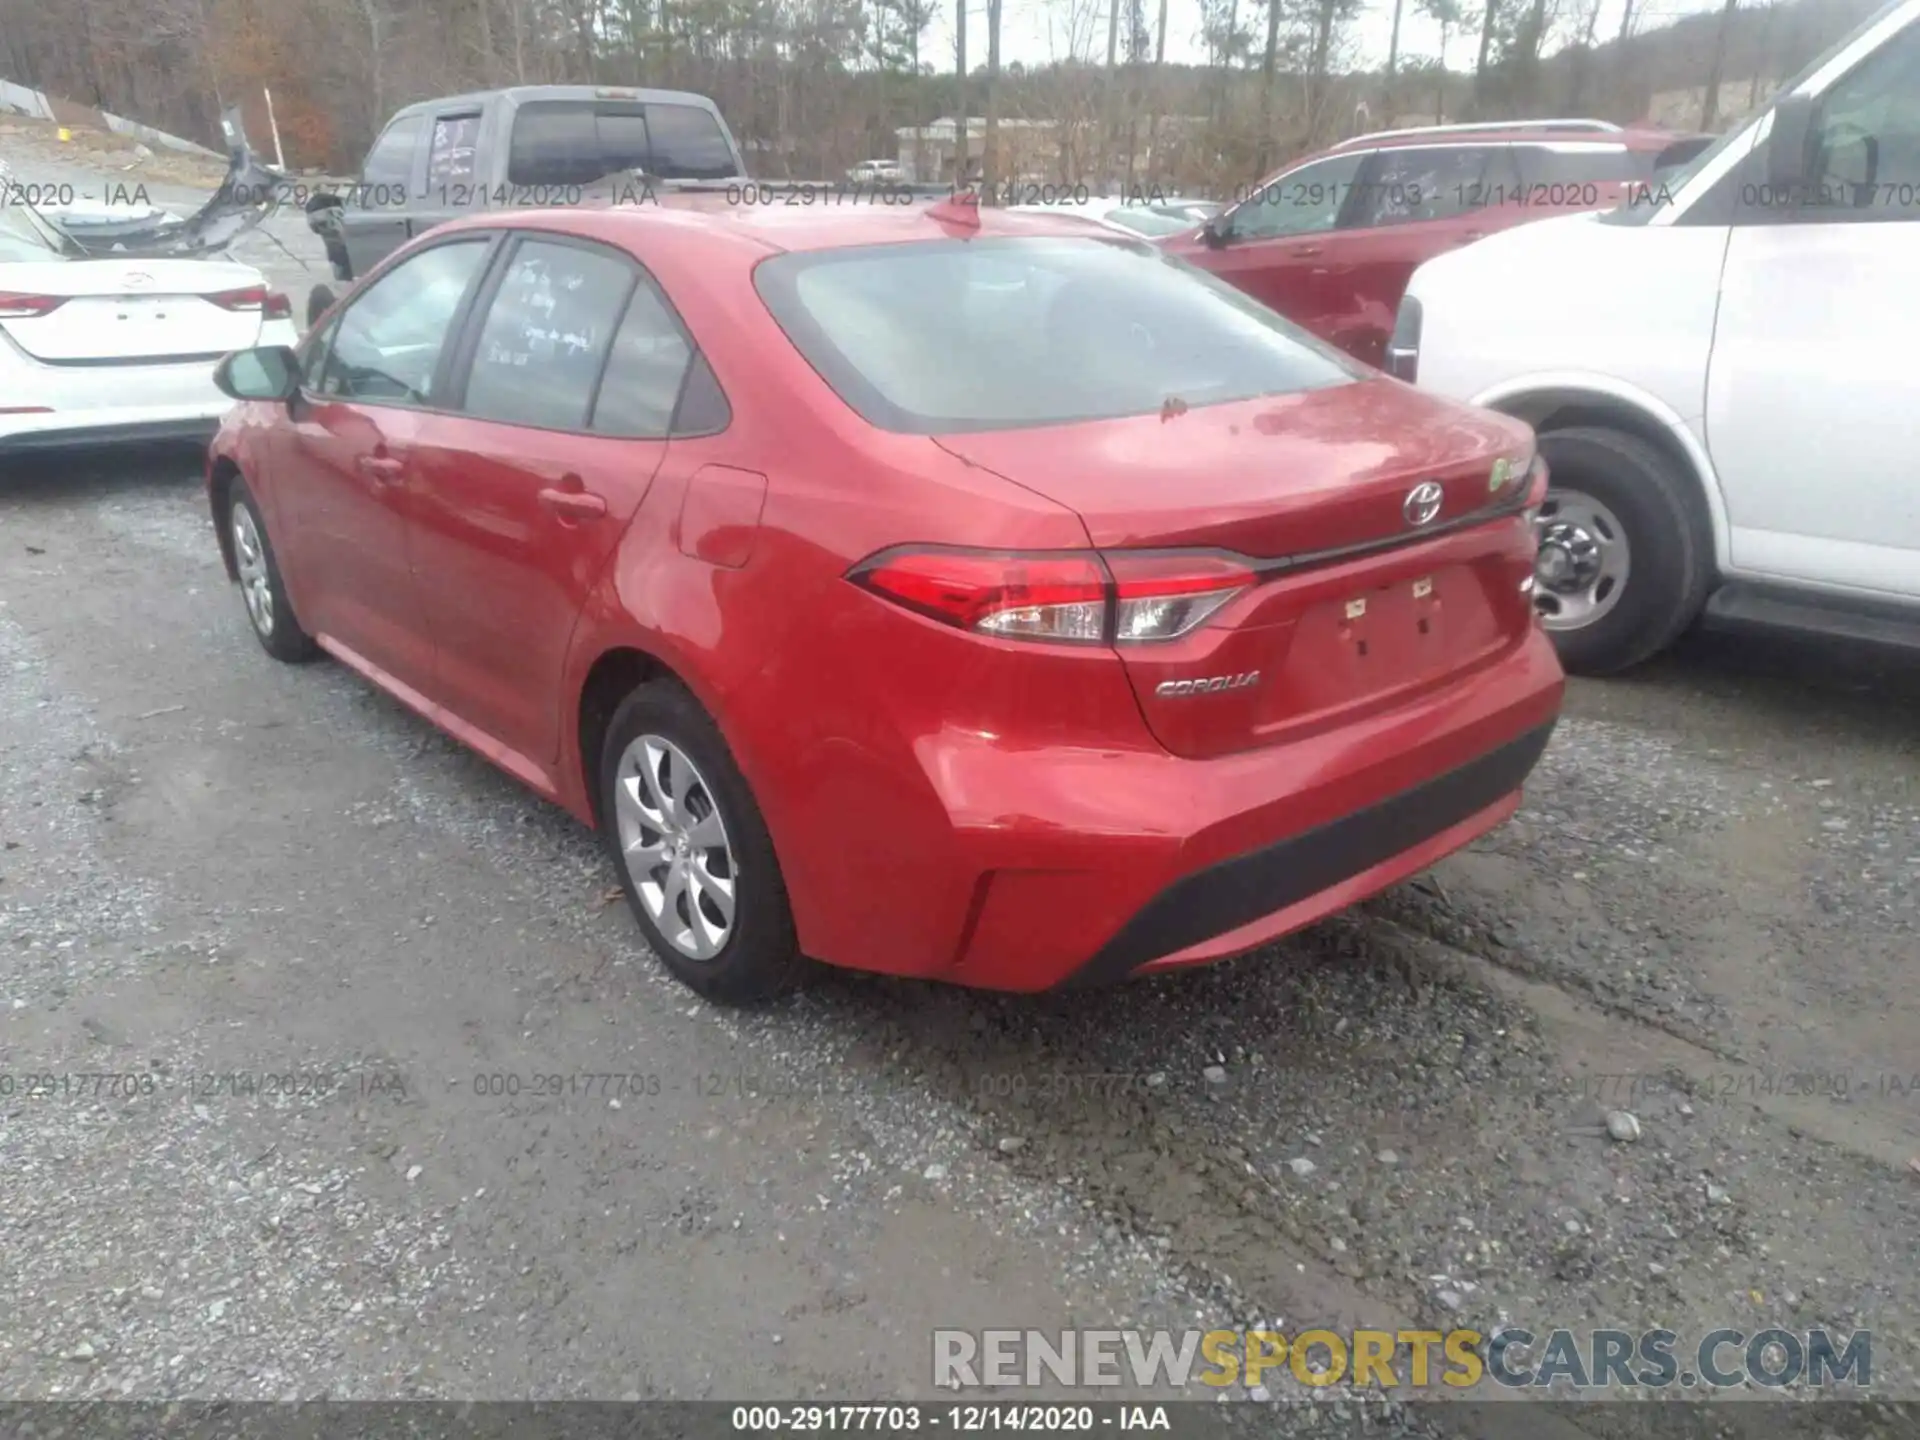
(954, 335)
(1582, 165)
(1417, 184)
(390, 162)
(450, 155)
(566, 142)
(546, 335)
(645, 372)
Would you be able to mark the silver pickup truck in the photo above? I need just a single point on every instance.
(530, 146)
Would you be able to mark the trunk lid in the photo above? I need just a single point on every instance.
(1357, 606)
(130, 311)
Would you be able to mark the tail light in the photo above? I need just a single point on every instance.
(1536, 483)
(1403, 346)
(271, 304)
(1070, 597)
(15, 306)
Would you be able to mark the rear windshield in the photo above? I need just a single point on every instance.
(1001, 334)
(576, 142)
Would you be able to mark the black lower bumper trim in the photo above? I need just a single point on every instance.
(142, 432)
(1236, 892)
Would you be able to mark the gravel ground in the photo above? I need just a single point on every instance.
(214, 870)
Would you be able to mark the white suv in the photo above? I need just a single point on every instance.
(1722, 372)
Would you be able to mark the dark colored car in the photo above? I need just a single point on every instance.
(1330, 241)
(972, 597)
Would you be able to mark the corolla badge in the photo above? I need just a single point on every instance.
(135, 278)
(1210, 685)
(1422, 503)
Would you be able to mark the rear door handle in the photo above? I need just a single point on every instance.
(574, 504)
(381, 469)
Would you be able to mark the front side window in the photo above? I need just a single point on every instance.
(387, 343)
(546, 334)
(1301, 202)
(1865, 144)
(1001, 334)
(1419, 183)
(390, 162)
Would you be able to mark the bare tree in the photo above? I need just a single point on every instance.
(960, 117)
(1711, 104)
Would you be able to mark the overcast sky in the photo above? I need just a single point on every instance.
(1038, 31)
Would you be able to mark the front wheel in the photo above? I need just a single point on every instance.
(692, 851)
(269, 610)
(1625, 554)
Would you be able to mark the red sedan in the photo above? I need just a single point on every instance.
(975, 597)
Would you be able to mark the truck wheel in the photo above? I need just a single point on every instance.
(1626, 557)
(319, 301)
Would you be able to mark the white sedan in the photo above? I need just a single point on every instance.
(1172, 215)
(102, 350)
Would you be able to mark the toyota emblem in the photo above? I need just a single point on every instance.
(1422, 503)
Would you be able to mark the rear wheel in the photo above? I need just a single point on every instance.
(269, 610)
(1625, 554)
(692, 851)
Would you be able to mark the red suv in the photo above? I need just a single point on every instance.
(1331, 241)
(954, 595)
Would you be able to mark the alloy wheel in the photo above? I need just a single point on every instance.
(675, 846)
(250, 555)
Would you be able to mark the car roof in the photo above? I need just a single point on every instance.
(521, 94)
(1515, 132)
(723, 225)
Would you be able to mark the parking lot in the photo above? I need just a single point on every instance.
(372, 996)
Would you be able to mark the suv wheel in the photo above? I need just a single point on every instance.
(1625, 555)
(692, 851)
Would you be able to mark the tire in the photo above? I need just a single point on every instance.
(264, 592)
(1668, 554)
(319, 300)
(757, 957)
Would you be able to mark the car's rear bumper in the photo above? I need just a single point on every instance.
(46, 407)
(1235, 904)
(1073, 868)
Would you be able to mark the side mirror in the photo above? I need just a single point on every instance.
(1787, 145)
(270, 372)
(1218, 230)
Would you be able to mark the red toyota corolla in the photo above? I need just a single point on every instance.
(983, 598)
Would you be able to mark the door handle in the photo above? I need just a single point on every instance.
(573, 504)
(1308, 250)
(381, 469)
